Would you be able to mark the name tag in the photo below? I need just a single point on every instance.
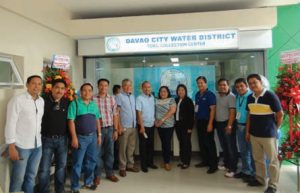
(238, 115)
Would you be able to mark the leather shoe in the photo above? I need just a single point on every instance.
(97, 180)
(152, 166)
(122, 173)
(255, 183)
(201, 165)
(211, 170)
(145, 170)
(133, 169)
(112, 178)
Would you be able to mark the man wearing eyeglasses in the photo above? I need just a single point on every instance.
(54, 137)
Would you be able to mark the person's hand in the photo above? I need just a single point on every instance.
(209, 128)
(142, 130)
(13, 153)
(189, 131)
(228, 130)
(158, 123)
(121, 130)
(74, 143)
(115, 135)
(247, 137)
(99, 139)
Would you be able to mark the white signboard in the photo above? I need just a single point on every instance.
(61, 62)
(290, 57)
(188, 41)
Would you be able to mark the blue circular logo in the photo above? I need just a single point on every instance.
(113, 44)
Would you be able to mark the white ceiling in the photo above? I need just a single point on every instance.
(83, 9)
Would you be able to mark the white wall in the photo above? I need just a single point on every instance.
(22, 37)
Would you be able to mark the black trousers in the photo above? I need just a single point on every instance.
(165, 135)
(185, 145)
(146, 147)
(207, 145)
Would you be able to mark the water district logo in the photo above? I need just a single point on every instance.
(113, 44)
(171, 78)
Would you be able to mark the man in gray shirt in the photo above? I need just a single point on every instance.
(225, 117)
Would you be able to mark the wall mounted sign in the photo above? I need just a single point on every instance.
(172, 42)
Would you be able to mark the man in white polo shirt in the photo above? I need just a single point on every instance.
(23, 135)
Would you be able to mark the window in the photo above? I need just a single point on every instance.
(9, 74)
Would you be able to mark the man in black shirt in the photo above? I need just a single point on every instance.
(54, 137)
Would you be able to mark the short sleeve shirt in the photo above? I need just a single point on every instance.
(262, 111)
(224, 104)
(83, 109)
(145, 104)
(162, 106)
(203, 103)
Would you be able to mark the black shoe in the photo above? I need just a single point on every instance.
(179, 165)
(255, 183)
(212, 170)
(270, 190)
(75, 191)
(91, 187)
(239, 175)
(185, 166)
(152, 166)
(248, 178)
(145, 170)
(201, 165)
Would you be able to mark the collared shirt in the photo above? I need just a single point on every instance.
(23, 121)
(54, 121)
(262, 111)
(83, 109)
(224, 104)
(108, 108)
(240, 104)
(145, 104)
(126, 103)
(203, 103)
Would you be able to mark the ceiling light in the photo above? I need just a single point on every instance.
(174, 60)
(176, 64)
(252, 56)
(206, 58)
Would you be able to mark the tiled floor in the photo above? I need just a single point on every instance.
(192, 180)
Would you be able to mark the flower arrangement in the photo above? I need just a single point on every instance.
(288, 91)
(51, 74)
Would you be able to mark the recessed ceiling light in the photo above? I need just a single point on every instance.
(176, 64)
(174, 60)
(206, 58)
(252, 56)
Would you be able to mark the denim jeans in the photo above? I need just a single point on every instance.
(88, 152)
(58, 148)
(106, 152)
(248, 166)
(24, 171)
(228, 144)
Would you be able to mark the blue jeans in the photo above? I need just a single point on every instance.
(87, 151)
(24, 171)
(248, 166)
(228, 144)
(106, 152)
(58, 148)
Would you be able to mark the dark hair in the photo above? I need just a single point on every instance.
(125, 81)
(102, 79)
(222, 80)
(256, 76)
(86, 84)
(201, 78)
(115, 88)
(32, 77)
(240, 80)
(145, 82)
(56, 81)
(164, 87)
(181, 86)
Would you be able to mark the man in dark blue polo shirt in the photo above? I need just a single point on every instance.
(264, 118)
(205, 109)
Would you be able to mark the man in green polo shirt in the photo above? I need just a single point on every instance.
(85, 130)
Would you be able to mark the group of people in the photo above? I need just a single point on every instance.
(38, 129)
